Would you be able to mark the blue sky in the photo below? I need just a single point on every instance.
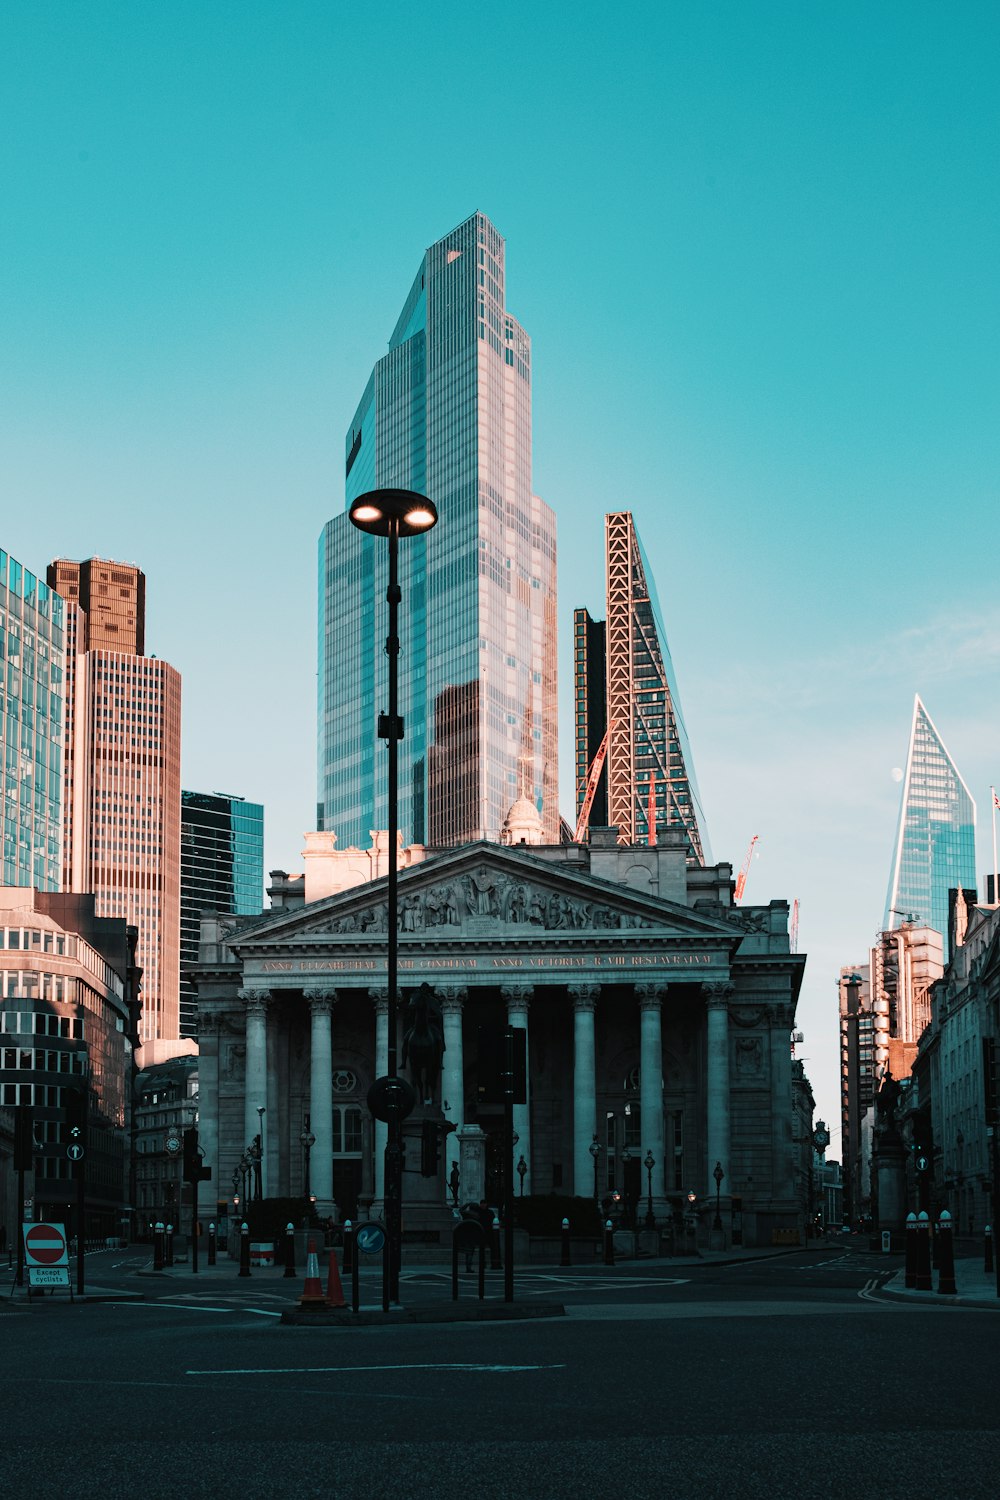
(755, 246)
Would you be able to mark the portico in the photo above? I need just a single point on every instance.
(626, 998)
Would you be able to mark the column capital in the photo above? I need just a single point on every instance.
(452, 998)
(321, 1001)
(718, 994)
(584, 996)
(517, 996)
(650, 995)
(380, 1000)
(256, 1001)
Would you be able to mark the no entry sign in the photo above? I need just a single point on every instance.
(45, 1245)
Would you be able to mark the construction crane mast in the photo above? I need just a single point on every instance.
(593, 777)
(741, 878)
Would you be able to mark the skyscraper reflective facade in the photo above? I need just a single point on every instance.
(447, 412)
(651, 783)
(222, 870)
(32, 662)
(936, 834)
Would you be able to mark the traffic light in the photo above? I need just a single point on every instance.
(429, 1142)
(75, 1110)
(194, 1171)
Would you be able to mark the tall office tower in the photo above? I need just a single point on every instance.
(650, 771)
(857, 1082)
(591, 713)
(447, 412)
(32, 661)
(222, 870)
(936, 834)
(122, 774)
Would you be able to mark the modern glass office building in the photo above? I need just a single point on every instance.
(447, 412)
(936, 836)
(32, 665)
(222, 870)
(649, 768)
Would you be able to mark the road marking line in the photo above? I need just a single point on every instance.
(377, 1369)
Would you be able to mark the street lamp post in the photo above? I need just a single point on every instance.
(718, 1174)
(307, 1141)
(392, 514)
(649, 1163)
(522, 1172)
(261, 1112)
(595, 1151)
(625, 1158)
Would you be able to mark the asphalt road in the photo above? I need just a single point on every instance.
(788, 1376)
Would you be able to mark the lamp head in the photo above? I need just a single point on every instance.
(384, 512)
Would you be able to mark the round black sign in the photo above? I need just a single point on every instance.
(390, 1098)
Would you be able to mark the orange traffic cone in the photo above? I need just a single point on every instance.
(334, 1290)
(312, 1292)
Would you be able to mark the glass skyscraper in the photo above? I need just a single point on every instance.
(936, 835)
(447, 412)
(649, 771)
(222, 870)
(32, 666)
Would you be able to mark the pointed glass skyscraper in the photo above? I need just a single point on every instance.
(650, 780)
(936, 835)
(447, 412)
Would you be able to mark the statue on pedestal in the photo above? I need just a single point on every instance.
(423, 1041)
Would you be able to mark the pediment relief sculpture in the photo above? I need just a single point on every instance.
(491, 895)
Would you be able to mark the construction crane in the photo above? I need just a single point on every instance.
(741, 878)
(593, 777)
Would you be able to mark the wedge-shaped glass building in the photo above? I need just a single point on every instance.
(446, 412)
(936, 836)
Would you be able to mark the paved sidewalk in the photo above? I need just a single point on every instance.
(975, 1285)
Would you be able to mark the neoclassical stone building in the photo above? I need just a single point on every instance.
(658, 1017)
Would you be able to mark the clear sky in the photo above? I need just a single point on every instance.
(756, 248)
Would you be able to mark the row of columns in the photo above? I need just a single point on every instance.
(518, 1000)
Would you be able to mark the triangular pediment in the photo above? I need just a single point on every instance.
(489, 890)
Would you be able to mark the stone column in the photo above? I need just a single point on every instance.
(518, 998)
(717, 997)
(782, 1184)
(321, 1003)
(651, 997)
(209, 1026)
(584, 997)
(276, 1097)
(381, 1002)
(452, 998)
(255, 1081)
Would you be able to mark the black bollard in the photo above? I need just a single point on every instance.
(158, 1247)
(350, 1249)
(289, 1251)
(211, 1245)
(564, 1259)
(946, 1256)
(244, 1249)
(911, 1250)
(609, 1243)
(988, 1253)
(924, 1281)
(169, 1253)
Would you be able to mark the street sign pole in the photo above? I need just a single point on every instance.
(508, 1166)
